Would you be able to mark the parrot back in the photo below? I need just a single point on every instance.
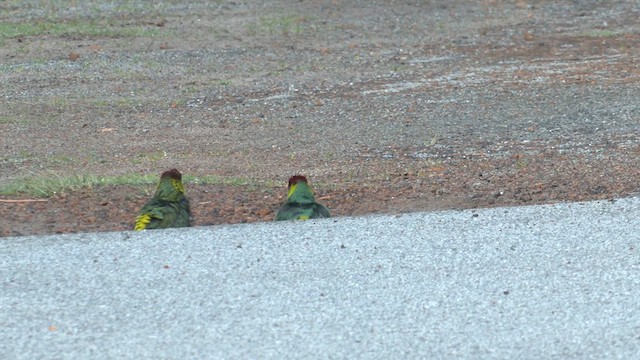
(160, 214)
(302, 211)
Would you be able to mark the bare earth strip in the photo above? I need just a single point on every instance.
(387, 107)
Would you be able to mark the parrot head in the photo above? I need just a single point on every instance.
(299, 189)
(174, 177)
(170, 186)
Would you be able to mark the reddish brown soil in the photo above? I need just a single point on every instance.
(467, 183)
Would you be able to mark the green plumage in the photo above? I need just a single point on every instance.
(301, 203)
(168, 208)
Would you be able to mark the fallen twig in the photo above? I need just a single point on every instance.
(22, 200)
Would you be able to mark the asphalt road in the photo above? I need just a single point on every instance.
(539, 282)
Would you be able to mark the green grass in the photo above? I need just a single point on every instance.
(602, 33)
(89, 8)
(150, 157)
(521, 164)
(115, 103)
(285, 25)
(89, 28)
(7, 120)
(51, 184)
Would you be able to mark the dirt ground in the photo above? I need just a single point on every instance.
(386, 106)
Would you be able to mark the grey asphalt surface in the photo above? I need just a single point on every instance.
(539, 282)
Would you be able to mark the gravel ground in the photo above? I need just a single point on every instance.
(387, 106)
(537, 282)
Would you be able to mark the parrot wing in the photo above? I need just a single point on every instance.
(302, 211)
(183, 213)
(161, 215)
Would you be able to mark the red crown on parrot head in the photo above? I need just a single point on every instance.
(296, 179)
(173, 173)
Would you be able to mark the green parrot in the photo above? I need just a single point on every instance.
(168, 208)
(300, 203)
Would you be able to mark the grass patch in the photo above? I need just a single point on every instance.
(232, 181)
(53, 184)
(88, 28)
(7, 120)
(602, 33)
(286, 25)
(151, 157)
